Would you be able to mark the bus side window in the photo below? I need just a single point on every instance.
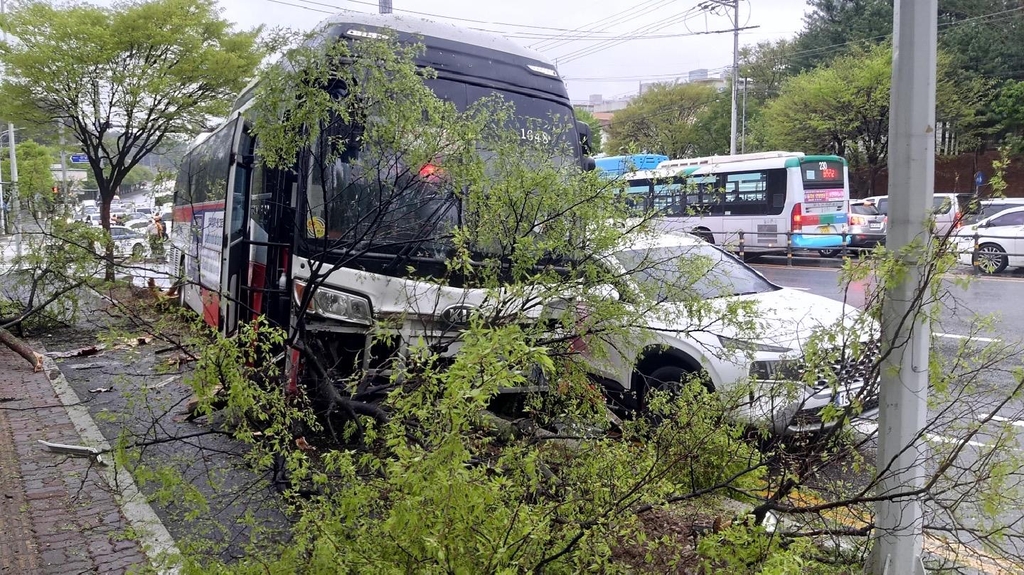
(776, 191)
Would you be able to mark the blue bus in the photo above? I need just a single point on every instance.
(614, 166)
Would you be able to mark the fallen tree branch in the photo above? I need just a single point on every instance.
(22, 349)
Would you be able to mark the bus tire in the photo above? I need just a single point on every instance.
(705, 235)
(830, 253)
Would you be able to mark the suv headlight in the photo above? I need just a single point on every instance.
(335, 304)
(743, 345)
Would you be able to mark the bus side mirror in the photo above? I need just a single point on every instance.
(584, 131)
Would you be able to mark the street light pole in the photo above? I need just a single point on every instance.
(735, 71)
(906, 333)
(15, 203)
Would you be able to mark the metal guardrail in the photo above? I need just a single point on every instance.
(738, 242)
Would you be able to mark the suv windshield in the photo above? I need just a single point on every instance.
(702, 270)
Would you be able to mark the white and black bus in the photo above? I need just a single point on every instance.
(247, 239)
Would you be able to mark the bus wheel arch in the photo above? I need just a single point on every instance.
(704, 234)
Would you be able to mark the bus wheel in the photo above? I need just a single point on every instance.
(706, 236)
(830, 253)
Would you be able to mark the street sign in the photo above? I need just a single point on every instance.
(979, 179)
(79, 159)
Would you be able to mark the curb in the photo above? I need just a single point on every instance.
(155, 540)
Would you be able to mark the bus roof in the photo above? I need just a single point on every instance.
(717, 164)
(449, 47)
(715, 160)
(430, 28)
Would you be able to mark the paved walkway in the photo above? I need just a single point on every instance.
(57, 513)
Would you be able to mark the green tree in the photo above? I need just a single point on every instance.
(662, 120)
(137, 179)
(833, 27)
(595, 128)
(766, 65)
(35, 180)
(122, 78)
(843, 109)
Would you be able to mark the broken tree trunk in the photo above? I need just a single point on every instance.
(23, 350)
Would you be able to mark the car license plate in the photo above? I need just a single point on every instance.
(824, 229)
(841, 399)
(875, 225)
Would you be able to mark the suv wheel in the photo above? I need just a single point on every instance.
(990, 259)
(669, 379)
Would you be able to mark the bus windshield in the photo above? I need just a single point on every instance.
(402, 211)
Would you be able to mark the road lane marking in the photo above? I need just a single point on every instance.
(968, 337)
(1000, 419)
(869, 427)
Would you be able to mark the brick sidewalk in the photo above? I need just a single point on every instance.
(57, 513)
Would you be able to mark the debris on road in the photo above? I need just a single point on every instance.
(83, 352)
(93, 365)
(75, 450)
(161, 384)
(101, 389)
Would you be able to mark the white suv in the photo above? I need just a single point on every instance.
(725, 358)
(994, 243)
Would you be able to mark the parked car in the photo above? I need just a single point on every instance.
(999, 239)
(788, 317)
(866, 228)
(948, 209)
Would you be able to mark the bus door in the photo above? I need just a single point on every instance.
(235, 262)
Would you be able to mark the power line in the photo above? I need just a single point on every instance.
(638, 37)
(653, 27)
(607, 22)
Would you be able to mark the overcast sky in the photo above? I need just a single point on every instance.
(611, 70)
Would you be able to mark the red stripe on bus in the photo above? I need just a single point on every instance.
(186, 212)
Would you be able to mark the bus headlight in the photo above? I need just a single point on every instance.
(337, 305)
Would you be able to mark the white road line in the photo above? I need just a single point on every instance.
(968, 337)
(868, 428)
(1000, 419)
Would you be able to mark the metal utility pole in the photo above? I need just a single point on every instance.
(735, 71)
(385, 6)
(743, 127)
(711, 5)
(15, 201)
(899, 521)
(63, 164)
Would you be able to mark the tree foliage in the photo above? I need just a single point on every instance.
(35, 180)
(122, 78)
(596, 129)
(663, 120)
(843, 109)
